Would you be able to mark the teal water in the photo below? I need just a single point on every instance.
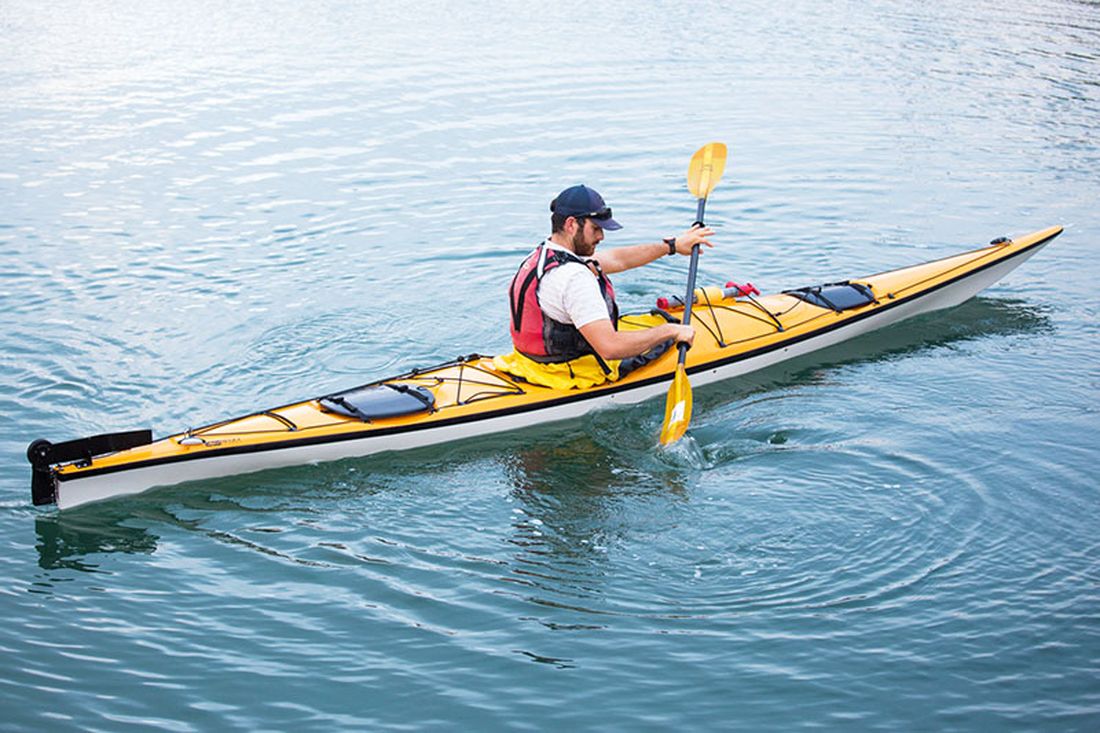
(206, 209)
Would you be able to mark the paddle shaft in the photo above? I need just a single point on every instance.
(703, 173)
(692, 268)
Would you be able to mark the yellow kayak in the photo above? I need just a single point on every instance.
(736, 333)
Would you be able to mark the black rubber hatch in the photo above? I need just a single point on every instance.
(380, 401)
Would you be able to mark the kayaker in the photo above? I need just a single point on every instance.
(564, 321)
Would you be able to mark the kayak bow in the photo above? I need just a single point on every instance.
(736, 333)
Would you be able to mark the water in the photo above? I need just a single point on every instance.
(207, 209)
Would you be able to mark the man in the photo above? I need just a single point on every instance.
(564, 315)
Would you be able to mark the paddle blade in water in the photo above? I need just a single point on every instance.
(706, 168)
(677, 408)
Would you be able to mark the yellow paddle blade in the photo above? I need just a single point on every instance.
(706, 168)
(677, 408)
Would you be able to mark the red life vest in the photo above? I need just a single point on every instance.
(535, 334)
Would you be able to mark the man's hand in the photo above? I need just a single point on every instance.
(681, 333)
(690, 238)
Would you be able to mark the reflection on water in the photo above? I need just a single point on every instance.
(575, 499)
(67, 540)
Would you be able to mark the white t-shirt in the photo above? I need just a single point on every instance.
(570, 293)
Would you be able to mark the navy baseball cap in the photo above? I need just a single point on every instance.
(582, 201)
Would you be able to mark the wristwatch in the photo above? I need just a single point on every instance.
(671, 242)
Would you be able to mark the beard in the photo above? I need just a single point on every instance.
(582, 247)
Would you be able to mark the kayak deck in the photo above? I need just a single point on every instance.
(469, 389)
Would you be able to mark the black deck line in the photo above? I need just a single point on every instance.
(378, 432)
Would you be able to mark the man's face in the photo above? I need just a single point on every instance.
(587, 236)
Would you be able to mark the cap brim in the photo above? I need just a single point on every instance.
(607, 224)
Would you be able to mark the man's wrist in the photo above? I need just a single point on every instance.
(670, 242)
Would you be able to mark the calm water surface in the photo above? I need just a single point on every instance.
(208, 209)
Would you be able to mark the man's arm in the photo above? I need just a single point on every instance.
(612, 344)
(626, 258)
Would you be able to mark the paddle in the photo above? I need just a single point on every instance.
(703, 173)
